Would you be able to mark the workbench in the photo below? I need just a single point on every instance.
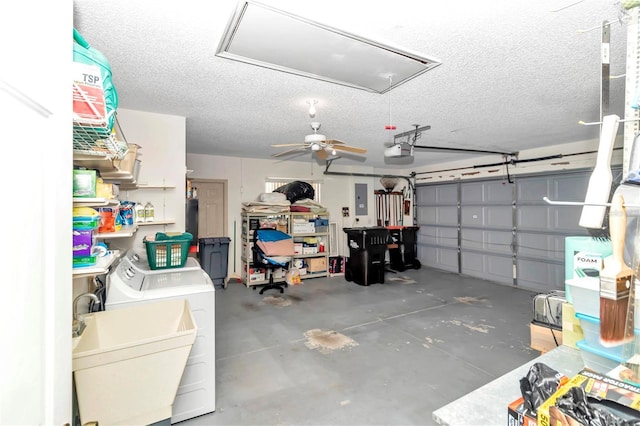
(487, 405)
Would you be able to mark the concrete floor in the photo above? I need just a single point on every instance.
(331, 352)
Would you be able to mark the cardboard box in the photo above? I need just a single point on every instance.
(604, 392)
(542, 337)
(317, 264)
(519, 416)
(297, 248)
(253, 275)
(309, 249)
(304, 228)
(572, 332)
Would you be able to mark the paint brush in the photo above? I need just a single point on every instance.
(615, 279)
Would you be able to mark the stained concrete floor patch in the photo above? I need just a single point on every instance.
(278, 301)
(482, 328)
(403, 280)
(467, 300)
(327, 341)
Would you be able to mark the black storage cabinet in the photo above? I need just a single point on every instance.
(405, 254)
(367, 252)
(213, 254)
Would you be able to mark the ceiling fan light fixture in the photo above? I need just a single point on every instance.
(315, 138)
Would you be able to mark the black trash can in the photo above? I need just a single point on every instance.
(396, 260)
(410, 247)
(213, 254)
(367, 250)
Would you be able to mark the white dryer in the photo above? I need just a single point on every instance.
(133, 281)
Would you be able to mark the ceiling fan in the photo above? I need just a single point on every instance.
(404, 144)
(318, 144)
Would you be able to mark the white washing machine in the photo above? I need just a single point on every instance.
(133, 281)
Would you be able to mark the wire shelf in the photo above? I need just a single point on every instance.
(97, 141)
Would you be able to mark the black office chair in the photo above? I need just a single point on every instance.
(276, 258)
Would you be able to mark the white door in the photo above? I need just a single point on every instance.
(212, 208)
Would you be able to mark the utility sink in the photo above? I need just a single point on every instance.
(128, 362)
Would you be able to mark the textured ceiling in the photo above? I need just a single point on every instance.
(516, 76)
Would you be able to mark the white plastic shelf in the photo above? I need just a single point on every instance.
(101, 267)
(124, 232)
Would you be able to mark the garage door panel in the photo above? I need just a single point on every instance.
(541, 246)
(437, 194)
(488, 223)
(568, 187)
(571, 188)
(548, 218)
(438, 236)
(488, 267)
(438, 257)
(493, 216)
(540, 275)
(438, 216)
(567, 218)
(493, 241)
(532, 190)
(493, 192)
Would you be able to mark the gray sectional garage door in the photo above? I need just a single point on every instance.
(499, 231)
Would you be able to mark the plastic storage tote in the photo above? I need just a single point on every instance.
(213, 254)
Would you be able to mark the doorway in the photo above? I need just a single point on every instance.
(212, 207)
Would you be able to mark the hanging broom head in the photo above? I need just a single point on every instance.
(389, 183)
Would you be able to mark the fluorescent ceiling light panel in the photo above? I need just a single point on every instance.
(261, 35)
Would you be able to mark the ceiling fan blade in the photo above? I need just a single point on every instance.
(476, 151)
(289, 151)
(322, 154)
(280, 145)
(350, 149)
(333, 141)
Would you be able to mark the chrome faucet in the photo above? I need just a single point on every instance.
(79, 324)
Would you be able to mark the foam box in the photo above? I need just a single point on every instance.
(584, 256)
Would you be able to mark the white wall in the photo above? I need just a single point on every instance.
(162, 140)
(35, 295)
(246, 180)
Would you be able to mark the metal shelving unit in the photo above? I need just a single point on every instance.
(322, 241)
(250, 222)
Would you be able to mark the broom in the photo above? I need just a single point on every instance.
(615, 280)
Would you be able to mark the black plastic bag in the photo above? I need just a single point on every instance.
(577, 405)
(296, 190)
(539, 384)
